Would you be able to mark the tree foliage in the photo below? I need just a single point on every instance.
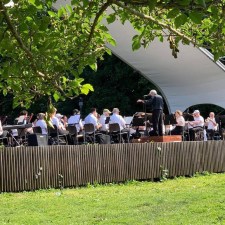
(44, 51)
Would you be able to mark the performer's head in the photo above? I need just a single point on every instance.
(178, 113)
(196, 113)
(153, 92)
(116, 111)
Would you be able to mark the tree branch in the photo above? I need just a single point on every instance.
(95, 22)
(18, 39)
(150, 18)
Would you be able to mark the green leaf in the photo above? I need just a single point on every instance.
(136, 44)
(108, 51)
(52, 14)
(36, 3)
(173, 13)
(60, 12)
(180, 20)
(111, 41)
(5, 92)
(94, 66)
(56, 96)
(161, 38)
(196, 17)
(111, 18)
(69, 8)
(86, 88)
(28, 18)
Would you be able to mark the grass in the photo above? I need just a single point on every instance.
(197, 200)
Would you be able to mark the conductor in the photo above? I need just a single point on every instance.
(156, 102)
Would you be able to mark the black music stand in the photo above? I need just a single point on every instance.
(138, 121)
(188, 117)
(169, 119)
(107, 120)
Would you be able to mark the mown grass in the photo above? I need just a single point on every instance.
(197, 200)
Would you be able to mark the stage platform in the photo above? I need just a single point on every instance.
(166, 138)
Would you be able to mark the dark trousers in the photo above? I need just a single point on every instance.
(178, 130)
(210, 134)
(192, 132)
(157, 122)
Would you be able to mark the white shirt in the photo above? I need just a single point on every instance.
(105, 127)
(180, 121)
(75, 119)
(90, 118)
(115, 118)
(43, 125)
(58, 123)
(210, 124)
(201, 121)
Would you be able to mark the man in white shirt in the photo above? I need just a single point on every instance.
(102, 120)
(116, 118)
(92, 118)
(76, 119)
(197, 124)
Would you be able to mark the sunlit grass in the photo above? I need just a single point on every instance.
(197, 200)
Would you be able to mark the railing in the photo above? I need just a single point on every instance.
(32, 168)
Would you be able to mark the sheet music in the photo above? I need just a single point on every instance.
(128, 119)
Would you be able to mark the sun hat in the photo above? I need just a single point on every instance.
(106, 110)
(58, 115)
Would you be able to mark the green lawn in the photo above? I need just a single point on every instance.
(197, 200)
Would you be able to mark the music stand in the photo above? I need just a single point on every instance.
(169, 119)
(188, 117)
(107, 119)
(138, 122)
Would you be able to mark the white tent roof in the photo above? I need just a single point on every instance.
(193, 78)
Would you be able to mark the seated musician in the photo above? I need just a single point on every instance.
(41, 123)
(211, 126)
(102, 120)
(179, 126)
(23, 117)
(117, 118)
(61, 129)
(196, 125)
(92, 117)
(76, 119)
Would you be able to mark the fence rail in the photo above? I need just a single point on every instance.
(32, 168)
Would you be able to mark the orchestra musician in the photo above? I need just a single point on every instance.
(92, 117)
(179, 126)
(195, 125)
(211, 124)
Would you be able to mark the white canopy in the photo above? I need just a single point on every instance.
(193, 78)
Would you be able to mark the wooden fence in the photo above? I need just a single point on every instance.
(31, 168)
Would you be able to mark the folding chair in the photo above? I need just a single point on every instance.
(89, 133)
(199, 133)
(73, 132)
(114, 131)
(56, 138)
(37, 130)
